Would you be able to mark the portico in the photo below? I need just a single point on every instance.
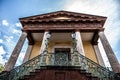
(50, 33)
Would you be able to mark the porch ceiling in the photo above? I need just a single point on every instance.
(58, 37)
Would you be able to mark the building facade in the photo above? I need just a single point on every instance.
(61, 44)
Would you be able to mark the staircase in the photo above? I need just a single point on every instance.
(59, 73)
(42, 67)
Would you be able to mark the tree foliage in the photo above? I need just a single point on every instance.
(1, 68)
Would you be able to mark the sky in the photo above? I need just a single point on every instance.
(12, 10)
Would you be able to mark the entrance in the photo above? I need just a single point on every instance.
(62, 56)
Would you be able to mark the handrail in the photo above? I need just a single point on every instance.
(97, 70)
(49, 59)
(22, 70)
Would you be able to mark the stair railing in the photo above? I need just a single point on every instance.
(24, 69)
(76, 60)
(95, 69)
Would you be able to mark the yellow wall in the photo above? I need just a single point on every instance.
(89, 51)
(88, 48)
(35, 50)
(36, 47)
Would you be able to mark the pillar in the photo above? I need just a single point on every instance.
(14, 56)
(98, 54)
(27, 54)
(44, 47)
(109, 52)
(79, 43)
(45, 40)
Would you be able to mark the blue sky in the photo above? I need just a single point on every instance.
(12, 10)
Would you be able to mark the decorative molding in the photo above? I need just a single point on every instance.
(66, 17)
(63, 26)
(62, 14)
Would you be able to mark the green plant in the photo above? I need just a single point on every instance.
(1, 68)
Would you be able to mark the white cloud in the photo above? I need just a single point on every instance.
(2, 52)
(15, 31)
(5, 22)
(20, 58)
(1, 41)
(18, 24)
(22, 55)
(8, 38)
(97, 7)
(2, 61)
(113, 36)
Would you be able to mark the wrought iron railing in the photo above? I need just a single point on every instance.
(50, 59)
(95, 69)
(22, 70)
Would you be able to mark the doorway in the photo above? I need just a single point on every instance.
(62, 56)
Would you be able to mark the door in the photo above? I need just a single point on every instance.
(62, 56)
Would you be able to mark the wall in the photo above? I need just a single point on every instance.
(36, 47)
(89, 51)
(88, 48)
(36, 50)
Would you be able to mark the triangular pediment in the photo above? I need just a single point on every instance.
(62, 15)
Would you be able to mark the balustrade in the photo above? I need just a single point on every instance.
(52, 60)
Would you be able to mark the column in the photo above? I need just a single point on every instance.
(27, 54)
(14, 56)
(44, 47)
(98, 54)
(79, 44)
(109, 52)
(45, 41)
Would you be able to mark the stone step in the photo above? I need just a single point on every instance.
(39, 74)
